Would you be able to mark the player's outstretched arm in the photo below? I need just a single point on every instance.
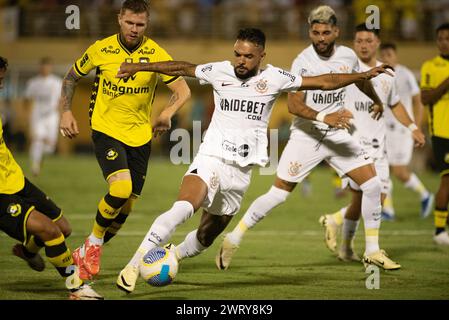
(332, 81)
(171, 68)
(402, 116)
(297, 106)
(68, 126)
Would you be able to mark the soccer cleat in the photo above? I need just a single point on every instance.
(331, 232)
(77, 256)
(380, 259)
(127, 278)
(426, 205)
(387, 216)
(348, 255)
(442, 238)
(224, 256)
(92, 254)
(172, 248)
(84, 292)
(35, 262)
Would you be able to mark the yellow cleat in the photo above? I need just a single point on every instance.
(380, 259)
(224, 255)
(127, 278)
(330, 233)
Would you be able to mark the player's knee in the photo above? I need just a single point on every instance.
(121, 189)
(51, 231)
(372, 187)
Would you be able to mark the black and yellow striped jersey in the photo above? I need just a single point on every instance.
(121, 108)
(12, 179)
(433, 73)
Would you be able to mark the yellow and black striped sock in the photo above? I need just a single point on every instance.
(33, 245)
(440, 220)
(108, 209)
(120, 219)
(59, 255)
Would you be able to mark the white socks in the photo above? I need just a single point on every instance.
(416, 185)
(190, 247)
(371, 212)
(348, 233)
(258, 210)
(162, 228)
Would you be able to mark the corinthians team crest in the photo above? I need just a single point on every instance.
(262, 86)
(214, 181)
(294, 168)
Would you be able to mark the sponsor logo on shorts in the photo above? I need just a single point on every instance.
(14, 209)
(262, 86)
(214, 181)
(111, 154)
(446, 158)
(243, 150)
(294, 168)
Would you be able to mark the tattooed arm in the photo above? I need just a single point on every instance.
(181, 93)
(171, 68)
(68, 125)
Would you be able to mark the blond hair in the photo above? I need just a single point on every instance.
(322, 14)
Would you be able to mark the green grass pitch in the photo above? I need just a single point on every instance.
(284, 257)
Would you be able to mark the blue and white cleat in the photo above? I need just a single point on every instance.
(427, 205)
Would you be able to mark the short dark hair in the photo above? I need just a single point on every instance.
(136, 6)
(3, 63)
(363, 27)
(46, 60)
(388, 45)
(444, 26)
(253, 35)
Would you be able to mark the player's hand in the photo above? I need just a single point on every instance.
(378, 111)
(419, 138)
(383, 68)
(340, 119)
(68, 126)
(127, 70)
(162, 124)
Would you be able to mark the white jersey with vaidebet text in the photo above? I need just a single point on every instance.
(369, 132)
(310, 141)
(45, 93)
(399, 141)
(237, 135)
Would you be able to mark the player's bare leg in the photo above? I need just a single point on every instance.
(192, 193)
(441, 236)
(258, 210)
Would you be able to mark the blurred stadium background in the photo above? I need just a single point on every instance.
(193, 30)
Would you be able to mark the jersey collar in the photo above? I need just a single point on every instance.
(124, 46)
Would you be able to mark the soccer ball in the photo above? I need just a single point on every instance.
(159, 267)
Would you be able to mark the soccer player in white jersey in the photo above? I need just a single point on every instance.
(235, 141)
(371, 135)
(311, 142)
(43, 91)
(399, 141)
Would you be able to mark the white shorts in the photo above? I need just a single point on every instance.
(399, 145)
(46, 128)
(306, 148)
(382, 171)
(226, 183)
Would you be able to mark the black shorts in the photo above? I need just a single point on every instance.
(15, 209)
(114, 156)
(440, 148)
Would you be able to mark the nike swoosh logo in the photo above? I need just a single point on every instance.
(226, 84)
(124, 282)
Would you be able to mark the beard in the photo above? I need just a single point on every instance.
(327, 51)
(247, 75)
